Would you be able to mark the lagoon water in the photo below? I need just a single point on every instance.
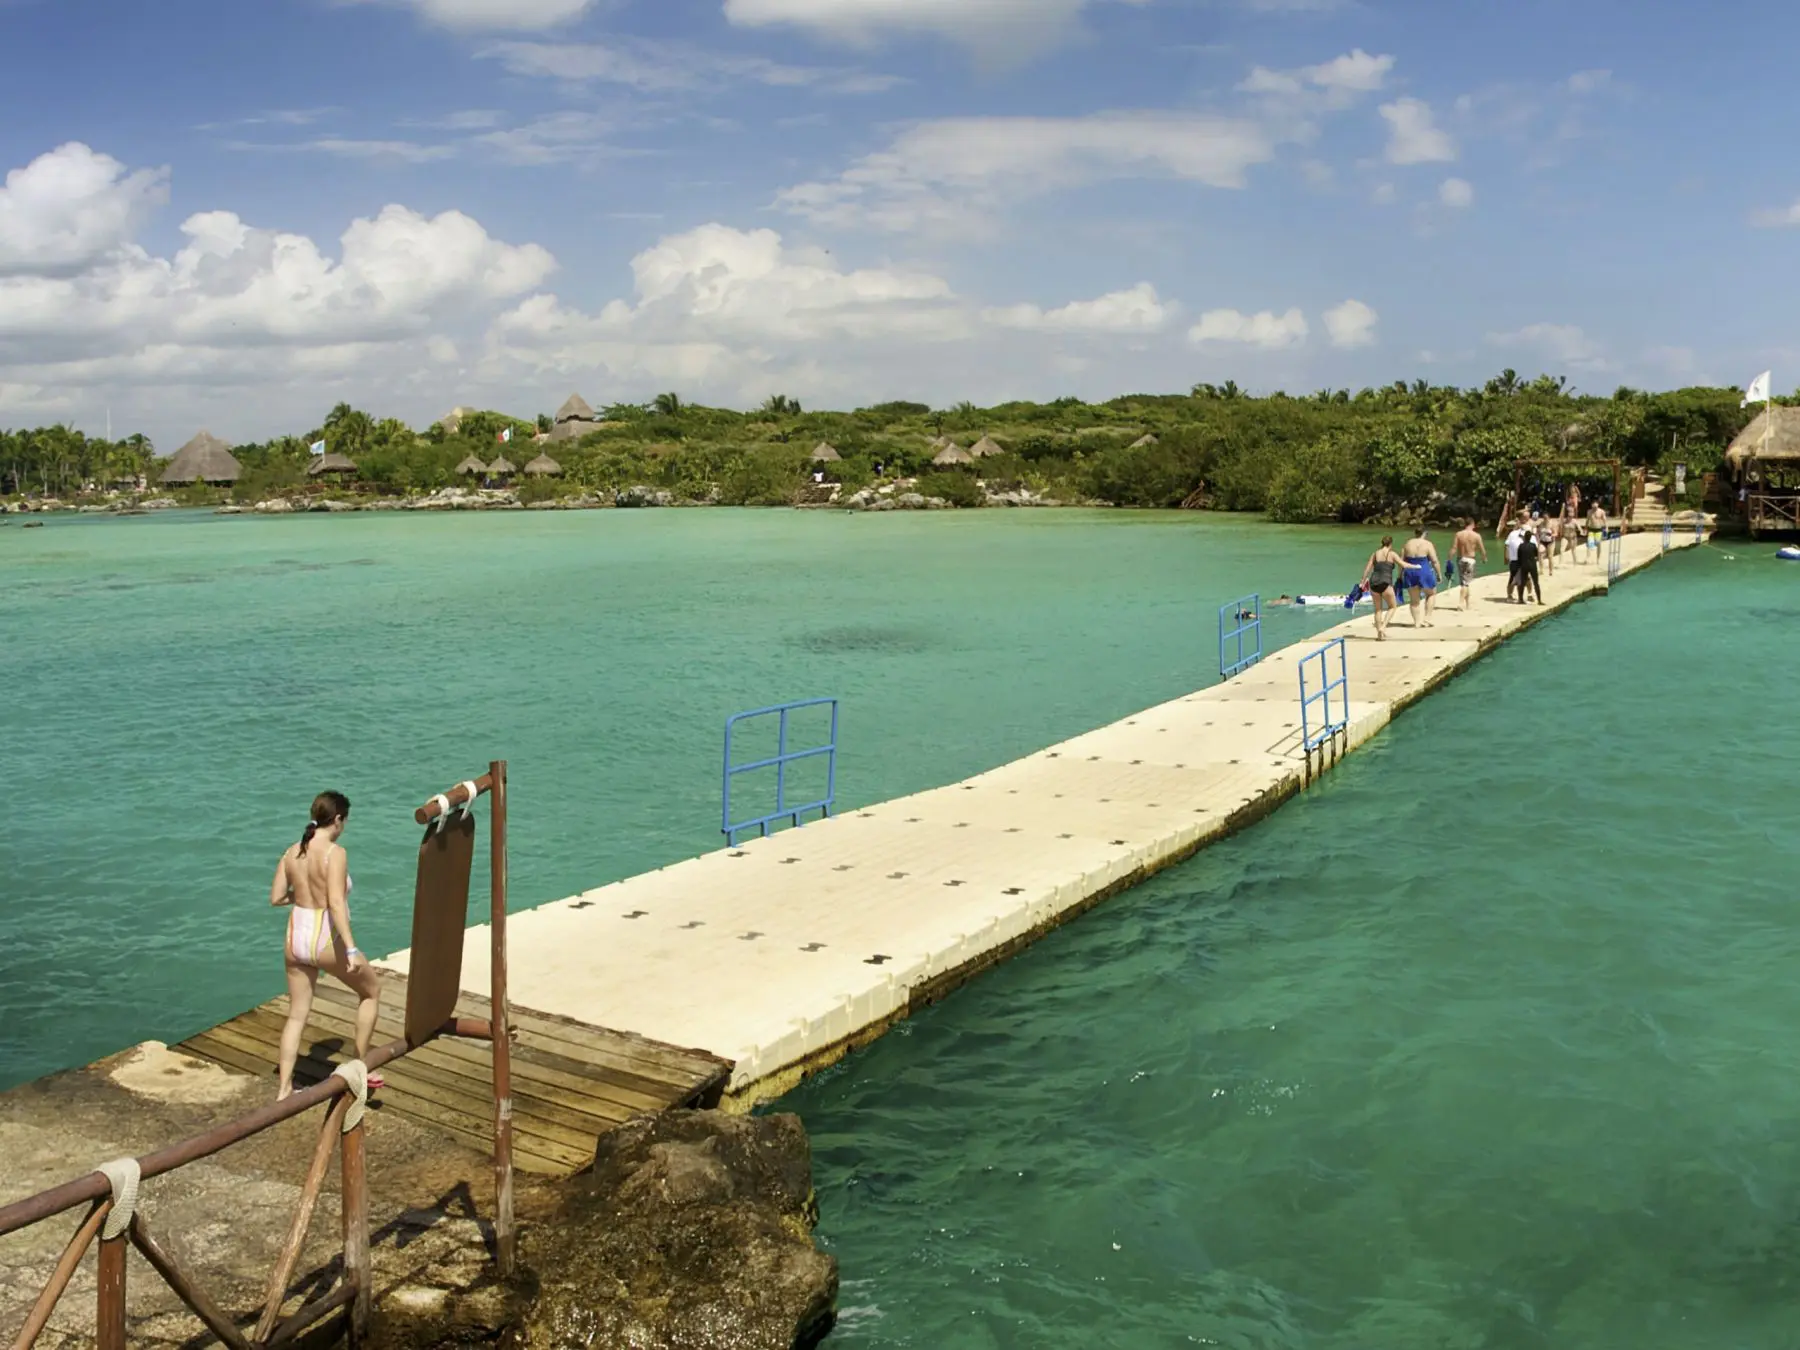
(1484, 1043)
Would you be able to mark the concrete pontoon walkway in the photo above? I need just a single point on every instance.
(785, 952)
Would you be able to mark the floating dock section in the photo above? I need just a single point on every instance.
(779, 956)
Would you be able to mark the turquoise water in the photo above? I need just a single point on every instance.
(177, 688)
(1487, 1042)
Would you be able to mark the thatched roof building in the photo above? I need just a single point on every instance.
(986, 446)
(952, 454)
(942, 443)
(502, 467)
(1144, 442)
(574, 419)
(205, 459)
(333, 463)
(1783, 439)
(544, 467)
(825, 453)
(471, 465)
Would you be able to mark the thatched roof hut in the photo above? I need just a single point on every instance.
(502, 467)
(1783, 439)
(952, 454)
(332, 463)
(942, 443)
(205, 459)
(544, 467)
(825, 453)
(986, 446)
(574, 419)
(471, 466)
(1144, 442)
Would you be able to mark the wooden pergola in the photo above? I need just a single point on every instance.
(1576, 462)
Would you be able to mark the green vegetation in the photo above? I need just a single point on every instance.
(1400, 450)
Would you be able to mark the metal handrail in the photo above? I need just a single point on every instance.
(1330, 725)
(779, 762)
(1615, 544)
(1668, 535)
(1245, 616)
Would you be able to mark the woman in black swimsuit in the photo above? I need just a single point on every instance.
(1378, 577)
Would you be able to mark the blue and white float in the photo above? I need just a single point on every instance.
(1788, 554)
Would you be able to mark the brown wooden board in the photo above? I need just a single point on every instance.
(571, 1083)
(440, 918)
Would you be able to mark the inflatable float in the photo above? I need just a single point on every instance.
(1788, 554)
(1364, 599)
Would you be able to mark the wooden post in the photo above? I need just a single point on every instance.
(109, 1327)
(501, 1026)
(354, 1178)
(39, 1317)
(303, 1212)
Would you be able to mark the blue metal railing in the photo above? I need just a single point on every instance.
(1331, 719)
(784, 809)
(1615, 545)
(1699, 527)
(1668, 535)
(1240, 635)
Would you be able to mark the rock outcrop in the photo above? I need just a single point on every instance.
(694, 1230)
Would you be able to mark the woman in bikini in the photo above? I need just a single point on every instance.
(1378, 579)
(313, 878)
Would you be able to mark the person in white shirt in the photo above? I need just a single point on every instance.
(1513, 541)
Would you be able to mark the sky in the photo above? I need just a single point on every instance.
(234, 215)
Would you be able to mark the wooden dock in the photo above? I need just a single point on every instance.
(571, 1082)
(812, 942)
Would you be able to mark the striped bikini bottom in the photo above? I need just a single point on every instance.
(309, 937)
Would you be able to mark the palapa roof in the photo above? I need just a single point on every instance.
(330, 463)
(1783, 439)
(502, 465)
(1144, 441)
(953, 454)
(942, 443)
(986, 446)
(471, 464)
(825, 453)
(544, 467)
(576, 409)
(205, 459)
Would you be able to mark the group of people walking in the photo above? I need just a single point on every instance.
(1533, 542)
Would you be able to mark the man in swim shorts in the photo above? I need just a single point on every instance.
(1462, 550)
(1596, 529)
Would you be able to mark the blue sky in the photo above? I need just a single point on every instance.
(235, 214)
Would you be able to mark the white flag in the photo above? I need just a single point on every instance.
(317, 447)
(1758, 392)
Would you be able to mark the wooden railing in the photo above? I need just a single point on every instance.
(354, 1289)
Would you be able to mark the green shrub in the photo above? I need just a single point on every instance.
(959, 489)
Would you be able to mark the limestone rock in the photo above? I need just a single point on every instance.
(645, 496)
(694, 1231)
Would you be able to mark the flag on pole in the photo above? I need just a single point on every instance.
(506, 435)
(317, 447)
(1758, 392)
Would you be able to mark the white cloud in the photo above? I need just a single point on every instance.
(1456, 193)
(1413, 135)
(70, 207)
(555, 138)
(944, 173)
(1137, 310)
(663, 67)
(1337, 83)
(516, 15)
(1589, 81)
(1018, 26)
(398, 152)
(1776, 218)
(86, 308)
(1351, 324)
(1561, 342)
(1383, 195)
(1267, 329)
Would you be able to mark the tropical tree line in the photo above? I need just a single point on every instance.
(1335, 454)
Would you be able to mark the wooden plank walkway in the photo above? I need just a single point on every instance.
(571, 1082)
(812, 942)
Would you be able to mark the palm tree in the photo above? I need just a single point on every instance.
(668, 405)
(780, 405)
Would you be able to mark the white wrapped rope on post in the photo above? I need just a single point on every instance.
(123, 1175)
(356, 1074)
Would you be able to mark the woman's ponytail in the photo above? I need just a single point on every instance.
(327, 809)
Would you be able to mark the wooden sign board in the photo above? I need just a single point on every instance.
(440, 913)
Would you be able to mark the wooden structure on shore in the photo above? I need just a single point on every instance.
(1763, 464)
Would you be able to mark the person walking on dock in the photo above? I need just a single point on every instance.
(1527, 569)
(1546, 540)
(1423, 566)
(1596, 529)
(1513, 539)
(313, 879)
(1571, 526)
(1462, 549)
(1378, 580)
